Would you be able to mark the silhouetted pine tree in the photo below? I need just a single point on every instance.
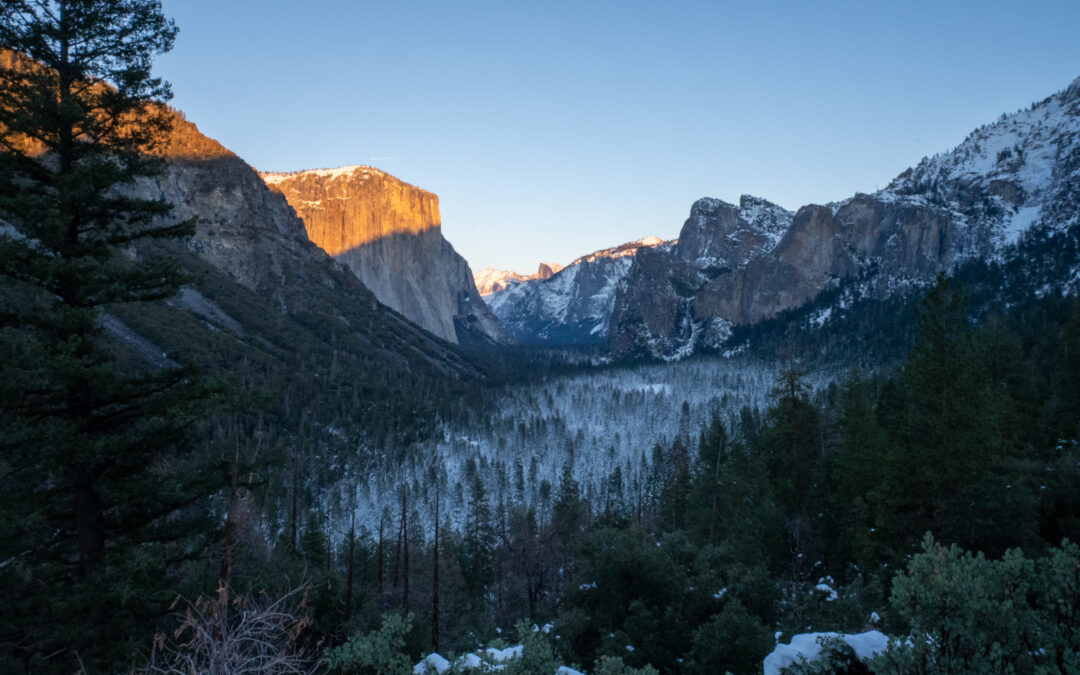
(97, 457)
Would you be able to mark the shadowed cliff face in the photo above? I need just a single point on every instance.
(1006, 182)
(389, 234)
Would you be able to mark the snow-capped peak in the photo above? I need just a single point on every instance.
(1004, 175)
(490, 280)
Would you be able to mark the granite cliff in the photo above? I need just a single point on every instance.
(389, 234)
(269, 305)
(1007, 182)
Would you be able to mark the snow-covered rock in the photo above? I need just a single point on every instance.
(807, 646)
(1017, 176)
(571, 307)
(436, 661)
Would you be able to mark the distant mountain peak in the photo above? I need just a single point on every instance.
(547, 270)
(1072, 92)
(571, 305)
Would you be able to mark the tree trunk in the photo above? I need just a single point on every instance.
(292, 525)
(405, 557)
(380, 555)
(225, 573)
(435, 581)
(349, 574)
(89, 522)
(396, 581)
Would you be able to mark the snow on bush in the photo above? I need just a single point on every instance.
(805, 647)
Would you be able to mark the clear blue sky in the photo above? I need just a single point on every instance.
(550, 129)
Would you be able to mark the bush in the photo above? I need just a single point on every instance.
(378, 652)
(970, 614)
(733, 640)
(223, 636)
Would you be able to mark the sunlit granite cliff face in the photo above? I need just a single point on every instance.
(389, 234)
(251, 250)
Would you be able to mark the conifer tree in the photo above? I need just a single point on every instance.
(948, 434)
(96, 456)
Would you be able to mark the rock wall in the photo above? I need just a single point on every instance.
(389, 234)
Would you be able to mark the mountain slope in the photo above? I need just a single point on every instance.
(572, 306)
(389, 234)
(489, 280)
(654, 311)
(1006, 181)
(273, 310)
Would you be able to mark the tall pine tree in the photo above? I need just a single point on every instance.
(99, 481)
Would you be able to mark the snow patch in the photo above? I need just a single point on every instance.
(436, 661)
(275, 177)
(807, 647)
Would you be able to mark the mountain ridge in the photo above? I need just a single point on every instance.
(975, 201)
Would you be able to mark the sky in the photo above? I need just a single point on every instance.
(552, 129)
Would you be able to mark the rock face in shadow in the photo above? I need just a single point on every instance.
(571, 306)
(248, 235)
(388, 233)
(1017, 176)
(657, 311)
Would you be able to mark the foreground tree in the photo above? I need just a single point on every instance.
(100, 485)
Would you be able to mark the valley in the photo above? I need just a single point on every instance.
(274, 421)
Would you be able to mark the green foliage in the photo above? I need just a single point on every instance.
(972, 614)
(734, 640)
(379, 652)
(614, 665)
(568, 511)
(790, 442)
(536, 655)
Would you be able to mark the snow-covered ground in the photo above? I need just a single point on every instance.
(599, 422)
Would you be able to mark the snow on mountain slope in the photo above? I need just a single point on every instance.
(489, 280)
(1008, 183)
(573, 306)
(1007, 176)
(718, 234)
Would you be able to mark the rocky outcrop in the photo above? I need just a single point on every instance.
(657, 310)
(546, 271)
(248, 237)
(1018, 175)
(489, 280)
(571, 307)
(388, 233)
